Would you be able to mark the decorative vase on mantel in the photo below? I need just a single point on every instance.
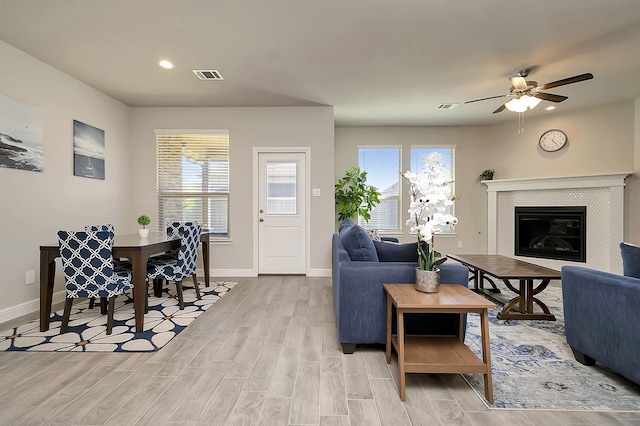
(427, 281)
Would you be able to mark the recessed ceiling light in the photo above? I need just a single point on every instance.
(550, 108)
(166, 64)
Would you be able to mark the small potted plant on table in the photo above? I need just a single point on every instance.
(144, 221)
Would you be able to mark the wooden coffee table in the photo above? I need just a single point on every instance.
(437, 354)
(506, 268)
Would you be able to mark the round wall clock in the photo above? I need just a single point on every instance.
(553, 140)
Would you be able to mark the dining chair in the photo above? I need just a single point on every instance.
(166, 267)
(119, 264)
(89, 271)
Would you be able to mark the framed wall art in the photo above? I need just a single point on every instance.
(88, 151)
(21, 135)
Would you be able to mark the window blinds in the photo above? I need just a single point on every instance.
(193, 180)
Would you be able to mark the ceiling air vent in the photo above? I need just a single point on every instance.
(447, 106)
(208, 74)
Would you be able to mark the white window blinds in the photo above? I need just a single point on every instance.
(382, 165)
(193, 180)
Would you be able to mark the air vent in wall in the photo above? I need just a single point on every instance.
(208, 74)
(447, 106)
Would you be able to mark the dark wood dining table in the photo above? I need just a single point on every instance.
(506, 268)
(130, 246)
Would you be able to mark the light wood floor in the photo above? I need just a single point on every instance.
(267, 353)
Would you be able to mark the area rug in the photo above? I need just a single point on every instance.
(534, 368)
(87, 327)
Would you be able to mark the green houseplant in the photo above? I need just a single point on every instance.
(486, 174)
(354, 197)
(144, 221)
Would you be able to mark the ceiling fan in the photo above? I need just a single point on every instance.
(527, 94)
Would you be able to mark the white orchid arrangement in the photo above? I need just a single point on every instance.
(430, 197)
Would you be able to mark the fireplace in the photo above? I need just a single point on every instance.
(551, 232)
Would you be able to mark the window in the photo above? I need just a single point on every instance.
(193, 179)
(383, 167)
(448, 157)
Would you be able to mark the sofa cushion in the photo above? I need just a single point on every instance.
(630, 260)
(394, 252)
(358, 244)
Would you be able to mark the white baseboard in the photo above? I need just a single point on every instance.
(319, 273)
(254, 273)
(26, 308)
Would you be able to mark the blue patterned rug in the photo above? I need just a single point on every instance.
(87, 327)
(534, 368)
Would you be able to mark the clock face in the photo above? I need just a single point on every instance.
(553, 140)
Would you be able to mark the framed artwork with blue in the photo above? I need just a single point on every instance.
(88, 151)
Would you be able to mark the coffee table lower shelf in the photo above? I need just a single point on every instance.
(438, 354)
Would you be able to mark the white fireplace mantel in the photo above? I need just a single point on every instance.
(534, 190)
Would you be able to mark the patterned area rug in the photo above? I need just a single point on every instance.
(534, 368)
(87, 327)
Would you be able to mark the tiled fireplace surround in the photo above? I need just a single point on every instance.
(603, 196)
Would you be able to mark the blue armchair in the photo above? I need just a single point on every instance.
(602, 318)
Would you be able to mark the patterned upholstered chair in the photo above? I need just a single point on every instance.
(119, 264)
(89, 271)
(166, 267)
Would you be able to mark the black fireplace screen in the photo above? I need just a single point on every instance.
(551, 232)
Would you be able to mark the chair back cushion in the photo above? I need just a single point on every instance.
(88, 264)
(630, 260)
(189, 234)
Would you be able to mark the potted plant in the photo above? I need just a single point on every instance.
(486, 174)
(354, 197)
(430, 196)
(144, 221)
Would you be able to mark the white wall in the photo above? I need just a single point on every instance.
(34, 206)
(248, 127)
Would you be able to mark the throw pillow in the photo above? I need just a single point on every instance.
(630, 260)
(394, 252)
(358, 244)
(344, 225)
(373, 233)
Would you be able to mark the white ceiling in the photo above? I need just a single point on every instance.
(376, 62)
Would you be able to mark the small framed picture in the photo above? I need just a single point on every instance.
(88, 151)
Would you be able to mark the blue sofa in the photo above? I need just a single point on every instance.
(602, 319)
(360, 300)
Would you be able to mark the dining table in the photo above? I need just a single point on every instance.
(130, 246)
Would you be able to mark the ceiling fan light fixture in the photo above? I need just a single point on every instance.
(522, 104)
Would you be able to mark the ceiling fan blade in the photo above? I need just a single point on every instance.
(549, 97)
(574, 79)
(518, 83)
(500, 109)
(484, 99)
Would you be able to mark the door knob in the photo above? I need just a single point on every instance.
(261, 211)
(261, 220)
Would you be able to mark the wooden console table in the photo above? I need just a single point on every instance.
(506, 268)
(437, 354)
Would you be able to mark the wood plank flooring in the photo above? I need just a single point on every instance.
(265, 354)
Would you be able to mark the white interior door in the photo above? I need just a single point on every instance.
(282, 200)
